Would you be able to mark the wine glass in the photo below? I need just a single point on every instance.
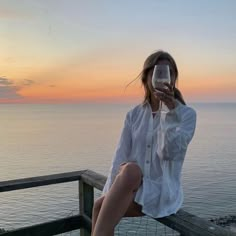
(161, 75)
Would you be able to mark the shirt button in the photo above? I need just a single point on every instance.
(148, 146)
(147, 162)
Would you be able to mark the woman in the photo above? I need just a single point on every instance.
(145, 177)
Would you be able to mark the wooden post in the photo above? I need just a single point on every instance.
(86, 199)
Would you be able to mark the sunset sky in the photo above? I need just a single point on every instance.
(76, 51)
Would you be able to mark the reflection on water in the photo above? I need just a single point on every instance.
(46, 139)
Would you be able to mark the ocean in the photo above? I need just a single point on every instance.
(42, 139)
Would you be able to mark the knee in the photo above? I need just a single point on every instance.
(98, 204)
(131, 174)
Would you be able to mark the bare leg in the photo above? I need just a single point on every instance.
(118, 199)
(96, 209)
(134, 210)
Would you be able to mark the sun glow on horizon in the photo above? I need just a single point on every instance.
(74, 51)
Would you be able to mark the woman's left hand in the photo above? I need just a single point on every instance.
(166, 95)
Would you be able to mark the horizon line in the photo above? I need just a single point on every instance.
(105, 102)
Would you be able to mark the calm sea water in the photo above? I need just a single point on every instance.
(45, 139)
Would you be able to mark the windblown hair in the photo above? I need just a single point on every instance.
(149, 64)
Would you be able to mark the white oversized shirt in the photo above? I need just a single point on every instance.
(158, 145)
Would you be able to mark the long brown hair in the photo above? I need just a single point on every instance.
(149, 64)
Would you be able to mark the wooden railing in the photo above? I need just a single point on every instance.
(183, 222)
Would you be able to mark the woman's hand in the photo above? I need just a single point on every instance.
(166, 95)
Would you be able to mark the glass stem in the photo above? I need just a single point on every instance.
(160, 105)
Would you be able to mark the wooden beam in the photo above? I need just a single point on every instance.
(93, 179)
(50, 228)
(87, 223)
(190, 225)
(11, 185)
(86, 199)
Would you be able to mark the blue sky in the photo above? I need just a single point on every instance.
(39, 38)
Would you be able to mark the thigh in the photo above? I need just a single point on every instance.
(134, 210)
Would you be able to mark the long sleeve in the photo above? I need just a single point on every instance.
(179, 129)
(121, 154)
